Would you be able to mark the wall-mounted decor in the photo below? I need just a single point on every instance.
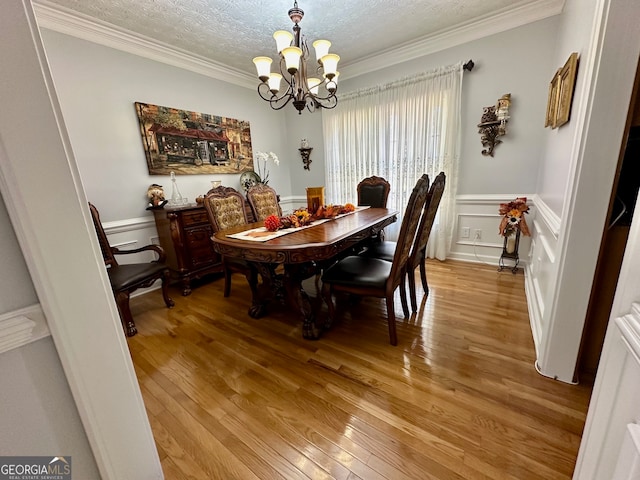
(191, 143)
(552, 101)
(561, 91)
(493, 124)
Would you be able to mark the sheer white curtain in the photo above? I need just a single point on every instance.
(398, 131)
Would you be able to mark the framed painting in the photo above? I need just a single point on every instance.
(191, 143)
(552, 101)
(567, 80)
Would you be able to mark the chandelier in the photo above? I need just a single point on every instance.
(304, 86)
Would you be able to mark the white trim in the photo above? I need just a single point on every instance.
(533, 296)
(21, 327)
(549, 217)
(488, 199)
(551, 254)
(128, 225)
(479, 244)
(62, 20)
(629, 326)
(467, 32)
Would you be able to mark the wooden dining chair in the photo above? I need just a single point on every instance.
(225, 208)
(368, 276)
(385, 250)
(373, 192)
(263, 201)
(126, 278)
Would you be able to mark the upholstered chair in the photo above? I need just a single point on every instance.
(373, 191)
(386, 250)
(127, 278)
(225, 208)
(368, 276)
(263, 201)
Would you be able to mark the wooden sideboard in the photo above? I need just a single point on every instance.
(185, 235)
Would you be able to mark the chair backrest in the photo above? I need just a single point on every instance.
(107, 252)
(225, 208)
(426, 221)
(410, 220)
(373, 191)
(263, 201)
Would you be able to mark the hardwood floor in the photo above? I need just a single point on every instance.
(231, 397)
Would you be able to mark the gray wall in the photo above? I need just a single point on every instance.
(97, 87)
(520, 61)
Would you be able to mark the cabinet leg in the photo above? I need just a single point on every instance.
(186, 287)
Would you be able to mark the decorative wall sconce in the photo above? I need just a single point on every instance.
(305, 153)
(493, 124)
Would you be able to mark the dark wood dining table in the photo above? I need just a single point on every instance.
(302, 253)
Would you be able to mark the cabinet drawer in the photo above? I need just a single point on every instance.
(204, 256)
(195, 217)
(199, 237)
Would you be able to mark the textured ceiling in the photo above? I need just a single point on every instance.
(233, 32)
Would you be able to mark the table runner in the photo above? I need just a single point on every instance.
(261, 234)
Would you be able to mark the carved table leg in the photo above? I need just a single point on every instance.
(261, 294)
(294, 274)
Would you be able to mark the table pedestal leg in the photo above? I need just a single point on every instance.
(294, 274)
(261, 294)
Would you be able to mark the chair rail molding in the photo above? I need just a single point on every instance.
(21, 327)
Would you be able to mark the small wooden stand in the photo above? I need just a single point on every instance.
(510, 251)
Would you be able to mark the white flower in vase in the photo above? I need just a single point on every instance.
(261, 161)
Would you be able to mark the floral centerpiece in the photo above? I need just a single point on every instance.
(261, 161)
(302, 216)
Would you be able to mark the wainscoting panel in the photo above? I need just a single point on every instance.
(479, 214)
(539, 269)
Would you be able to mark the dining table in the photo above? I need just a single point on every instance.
(302, 252)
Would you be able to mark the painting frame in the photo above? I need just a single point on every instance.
(567, 82)
(193, 143)
(552, 101)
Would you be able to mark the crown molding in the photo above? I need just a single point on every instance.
(59, 19)
(482, 27)
(62, 20)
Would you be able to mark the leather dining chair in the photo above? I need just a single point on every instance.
(225, 208)
(385, 250)
(263, 201)
(368, 276)
(126, 278)
(373, 192)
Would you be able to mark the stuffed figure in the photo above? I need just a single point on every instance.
(155, 194)
(513, 217)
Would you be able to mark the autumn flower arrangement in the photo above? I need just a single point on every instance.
(302, 217)
(513, 217)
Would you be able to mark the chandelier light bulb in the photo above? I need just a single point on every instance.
(330, 65)
(263, 66)
(274, 82)
(322, 48)
(292, 58)
(313, 84)
(283, 39)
